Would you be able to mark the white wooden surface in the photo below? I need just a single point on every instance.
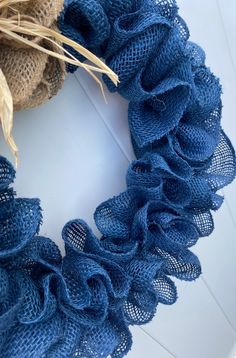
(74, 154)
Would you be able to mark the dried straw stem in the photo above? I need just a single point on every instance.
(20, 30)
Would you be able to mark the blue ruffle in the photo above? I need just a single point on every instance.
(81, 305)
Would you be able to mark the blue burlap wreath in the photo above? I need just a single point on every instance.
(82, 305)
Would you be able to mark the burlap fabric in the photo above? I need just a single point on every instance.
(32, 76)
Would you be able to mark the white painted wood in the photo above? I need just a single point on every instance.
(227, 9)
(193, 327)
(145, 346)
(114, 113)
(233, 352)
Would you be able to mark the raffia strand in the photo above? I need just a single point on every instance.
(17, 29)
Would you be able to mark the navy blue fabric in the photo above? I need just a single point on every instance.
(82, 304)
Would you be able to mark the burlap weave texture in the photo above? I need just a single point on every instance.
(32, 76)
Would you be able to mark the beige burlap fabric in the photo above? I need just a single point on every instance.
(32, 76)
